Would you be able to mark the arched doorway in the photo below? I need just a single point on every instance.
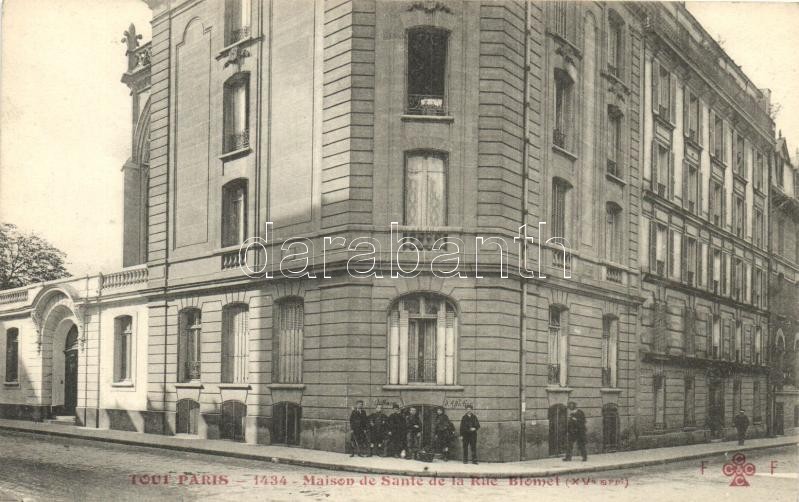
(427, 414)
(557, 429)
(610, 428)
(71, 371)
(286, 419)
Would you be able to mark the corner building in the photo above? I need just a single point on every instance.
(293, 122)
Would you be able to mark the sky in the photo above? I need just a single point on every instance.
(65, 116)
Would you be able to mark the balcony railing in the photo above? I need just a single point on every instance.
(426, 238)
(237, 141)
(13, 297)
(613, 274)
(553, 374)
(124, 278)
(559, 138)
(426, 104)
(239, 34)
(561, 259)
(613, 70)
(232, 259)
(193, 370)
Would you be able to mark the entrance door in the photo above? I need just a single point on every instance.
(233, 416)
(779, 419)
(286, 423)
(557, 429)
(427, 415)
(71, 372)
(610, 428)
(716, 409)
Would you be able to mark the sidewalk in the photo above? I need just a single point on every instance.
(377, 465)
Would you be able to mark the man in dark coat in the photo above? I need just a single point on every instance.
(469, 427)
(395, 430)
(359, 425)
(575, 431)
(413, 427)
(741, 424)
(443, 431)
(377, 431)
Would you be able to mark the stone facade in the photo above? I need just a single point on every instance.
(310, 115)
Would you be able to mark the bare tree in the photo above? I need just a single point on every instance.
(27, 259)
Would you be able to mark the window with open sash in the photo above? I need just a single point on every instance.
(123, 336)
(189, 345)
(427, 71)
(237, 21)
(236, 113)
(288, 326)
(235, 343)
(422, 340)
(234, 213)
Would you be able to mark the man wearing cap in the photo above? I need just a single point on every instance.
(359, 425)
(575, 431)
(741, 424)
(469, 427)
(395, 432)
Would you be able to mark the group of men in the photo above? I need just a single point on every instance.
(400, 434)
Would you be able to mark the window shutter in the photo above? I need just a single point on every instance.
(393, 347)
(746, 159)
(403, 347)
(711, 128)
(684, 259)
(673, 99)
(450, 349)
(654, 173)
(685, 184)
(670, 253)
(655, 79)
(723, 133)
(710, 254)
(672, 176)
(686, 110)
(699, 127)
(441, 343)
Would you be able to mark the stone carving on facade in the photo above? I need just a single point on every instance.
(430, 7)
(131, 40)
(236, 55)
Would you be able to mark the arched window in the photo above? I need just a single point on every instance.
(427, 71)
(236, 113)
(235, 329)
(556, 346)
(12, 355)
(189, 344)
(123, 348)
(610, 342)
(422, 339)
(234, 213)
(287, 345)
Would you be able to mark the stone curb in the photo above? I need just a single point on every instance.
(426, 472)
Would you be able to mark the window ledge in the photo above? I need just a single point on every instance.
(564, 152)
(235, 386)
(235, 153)
(189, 385)
(615, 179)
(420, 386)
(407, 117)
(557, 388)
(286, 386)
(226, 49)
(610, 390)
(10, 384)
(123, 384)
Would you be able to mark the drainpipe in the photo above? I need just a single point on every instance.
(524, 212)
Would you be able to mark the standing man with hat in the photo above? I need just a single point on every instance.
(469, 428)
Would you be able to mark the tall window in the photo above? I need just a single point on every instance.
(615, 45)
(189, 345)
(690, 261)
(691, 184)
(425, 189)
(661, 169)
(659, 386)
(556, 347)
(675, 255)
(757, 412)
(758, 345)
(614, 141)
(287, 341)
(738, 216)
(758, 181)
(564, 119)
(236, 113)
(779, 171)
(740, 155)
(427, 71)
(756, 286)
(237, 20)
(757, 230)
(781, 236)
(717, 138)
(610, 341)
(613, 236)
(664, 89)
(560, 191)
(235, 339)
(689, 400)
(123, 347)
(716, 338)
(739, 342)
(422, 339)
(658, 248)
(12, 355)
(234, 213)
(692, 116)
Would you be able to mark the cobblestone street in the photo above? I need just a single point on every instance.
(35, 467)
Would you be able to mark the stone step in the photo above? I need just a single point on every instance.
(62, 420)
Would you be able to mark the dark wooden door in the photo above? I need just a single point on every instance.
(233, 416)
(286, 419)
(779, 419)
(70, 381)
(557, 429)
(716, 408)
(188, 415)
(610, 428)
